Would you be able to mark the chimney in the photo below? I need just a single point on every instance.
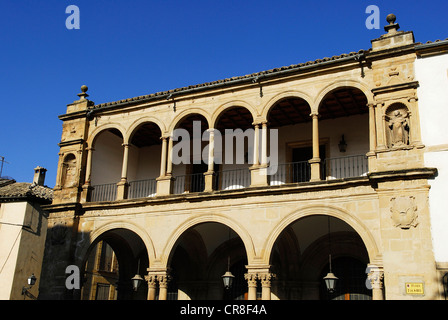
(39, 176)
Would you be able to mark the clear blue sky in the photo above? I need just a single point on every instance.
(129, 48)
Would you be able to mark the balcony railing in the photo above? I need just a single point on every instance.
(290, 173)
(294, 172)
(194, 182)
(346, 167)
(142, 188)
(224, 180)
(104, 192)
(232, 179)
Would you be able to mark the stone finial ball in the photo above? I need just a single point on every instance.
(391, 18)
(84, 88)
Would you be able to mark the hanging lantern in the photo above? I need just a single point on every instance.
(136, 281)
(227, 278)
(330, 281)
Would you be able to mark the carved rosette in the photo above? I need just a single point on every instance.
(404, 212)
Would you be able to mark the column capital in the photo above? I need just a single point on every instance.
(251, 279)
(163, 280)
(152, 280)
(266, 278)
(314, 115)
(375, 276)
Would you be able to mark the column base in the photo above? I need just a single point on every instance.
(209, 179)
(122, 189)
(164, 185)
(259, 176)
(315, 169)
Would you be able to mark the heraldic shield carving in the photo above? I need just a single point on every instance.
(404, 212)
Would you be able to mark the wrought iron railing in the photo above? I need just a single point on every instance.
(346, 167)
(194, 182)
(142, 188)
(104, 192)
(290, 173)
(232, 179)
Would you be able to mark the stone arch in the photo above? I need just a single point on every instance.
(366, 236)
(364, 88)
(235, 226)
(138, 123)
(97, 131)
(184, 114)
(232, 104)
(284, 95)
(96, 234)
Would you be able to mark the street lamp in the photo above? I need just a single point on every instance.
(330, 279)
(137, 279)
(228, 277)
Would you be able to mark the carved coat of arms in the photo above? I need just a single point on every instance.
(404, 212)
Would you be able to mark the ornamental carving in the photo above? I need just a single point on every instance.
(404, 212)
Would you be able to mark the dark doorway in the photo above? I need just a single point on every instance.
(301, 170)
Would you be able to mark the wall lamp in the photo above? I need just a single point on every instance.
(31, 282)
(342, 144)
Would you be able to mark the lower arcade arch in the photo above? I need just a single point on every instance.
(300, 258)
(111, 261)
(199, 258)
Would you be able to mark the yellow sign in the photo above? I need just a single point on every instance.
(414, 288)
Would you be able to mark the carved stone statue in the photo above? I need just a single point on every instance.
(399, 128)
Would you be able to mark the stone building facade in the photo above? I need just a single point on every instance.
(333, 174)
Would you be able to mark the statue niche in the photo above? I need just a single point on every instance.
(397, 121)
(68, 178)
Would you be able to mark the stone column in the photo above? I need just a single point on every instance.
(256, 144)
(122, 186)
(414, 123)
(371, 155)
(151, 279)
(264, 144)
(380, 133)
(266, 285)
(209, 175)
(163, 286)
(375, 277)
(315, 161)
(86, 188)
(372, 128)
(169, 166)
(163, 158)
(258, 172)
(252, 285)
(164, 181)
